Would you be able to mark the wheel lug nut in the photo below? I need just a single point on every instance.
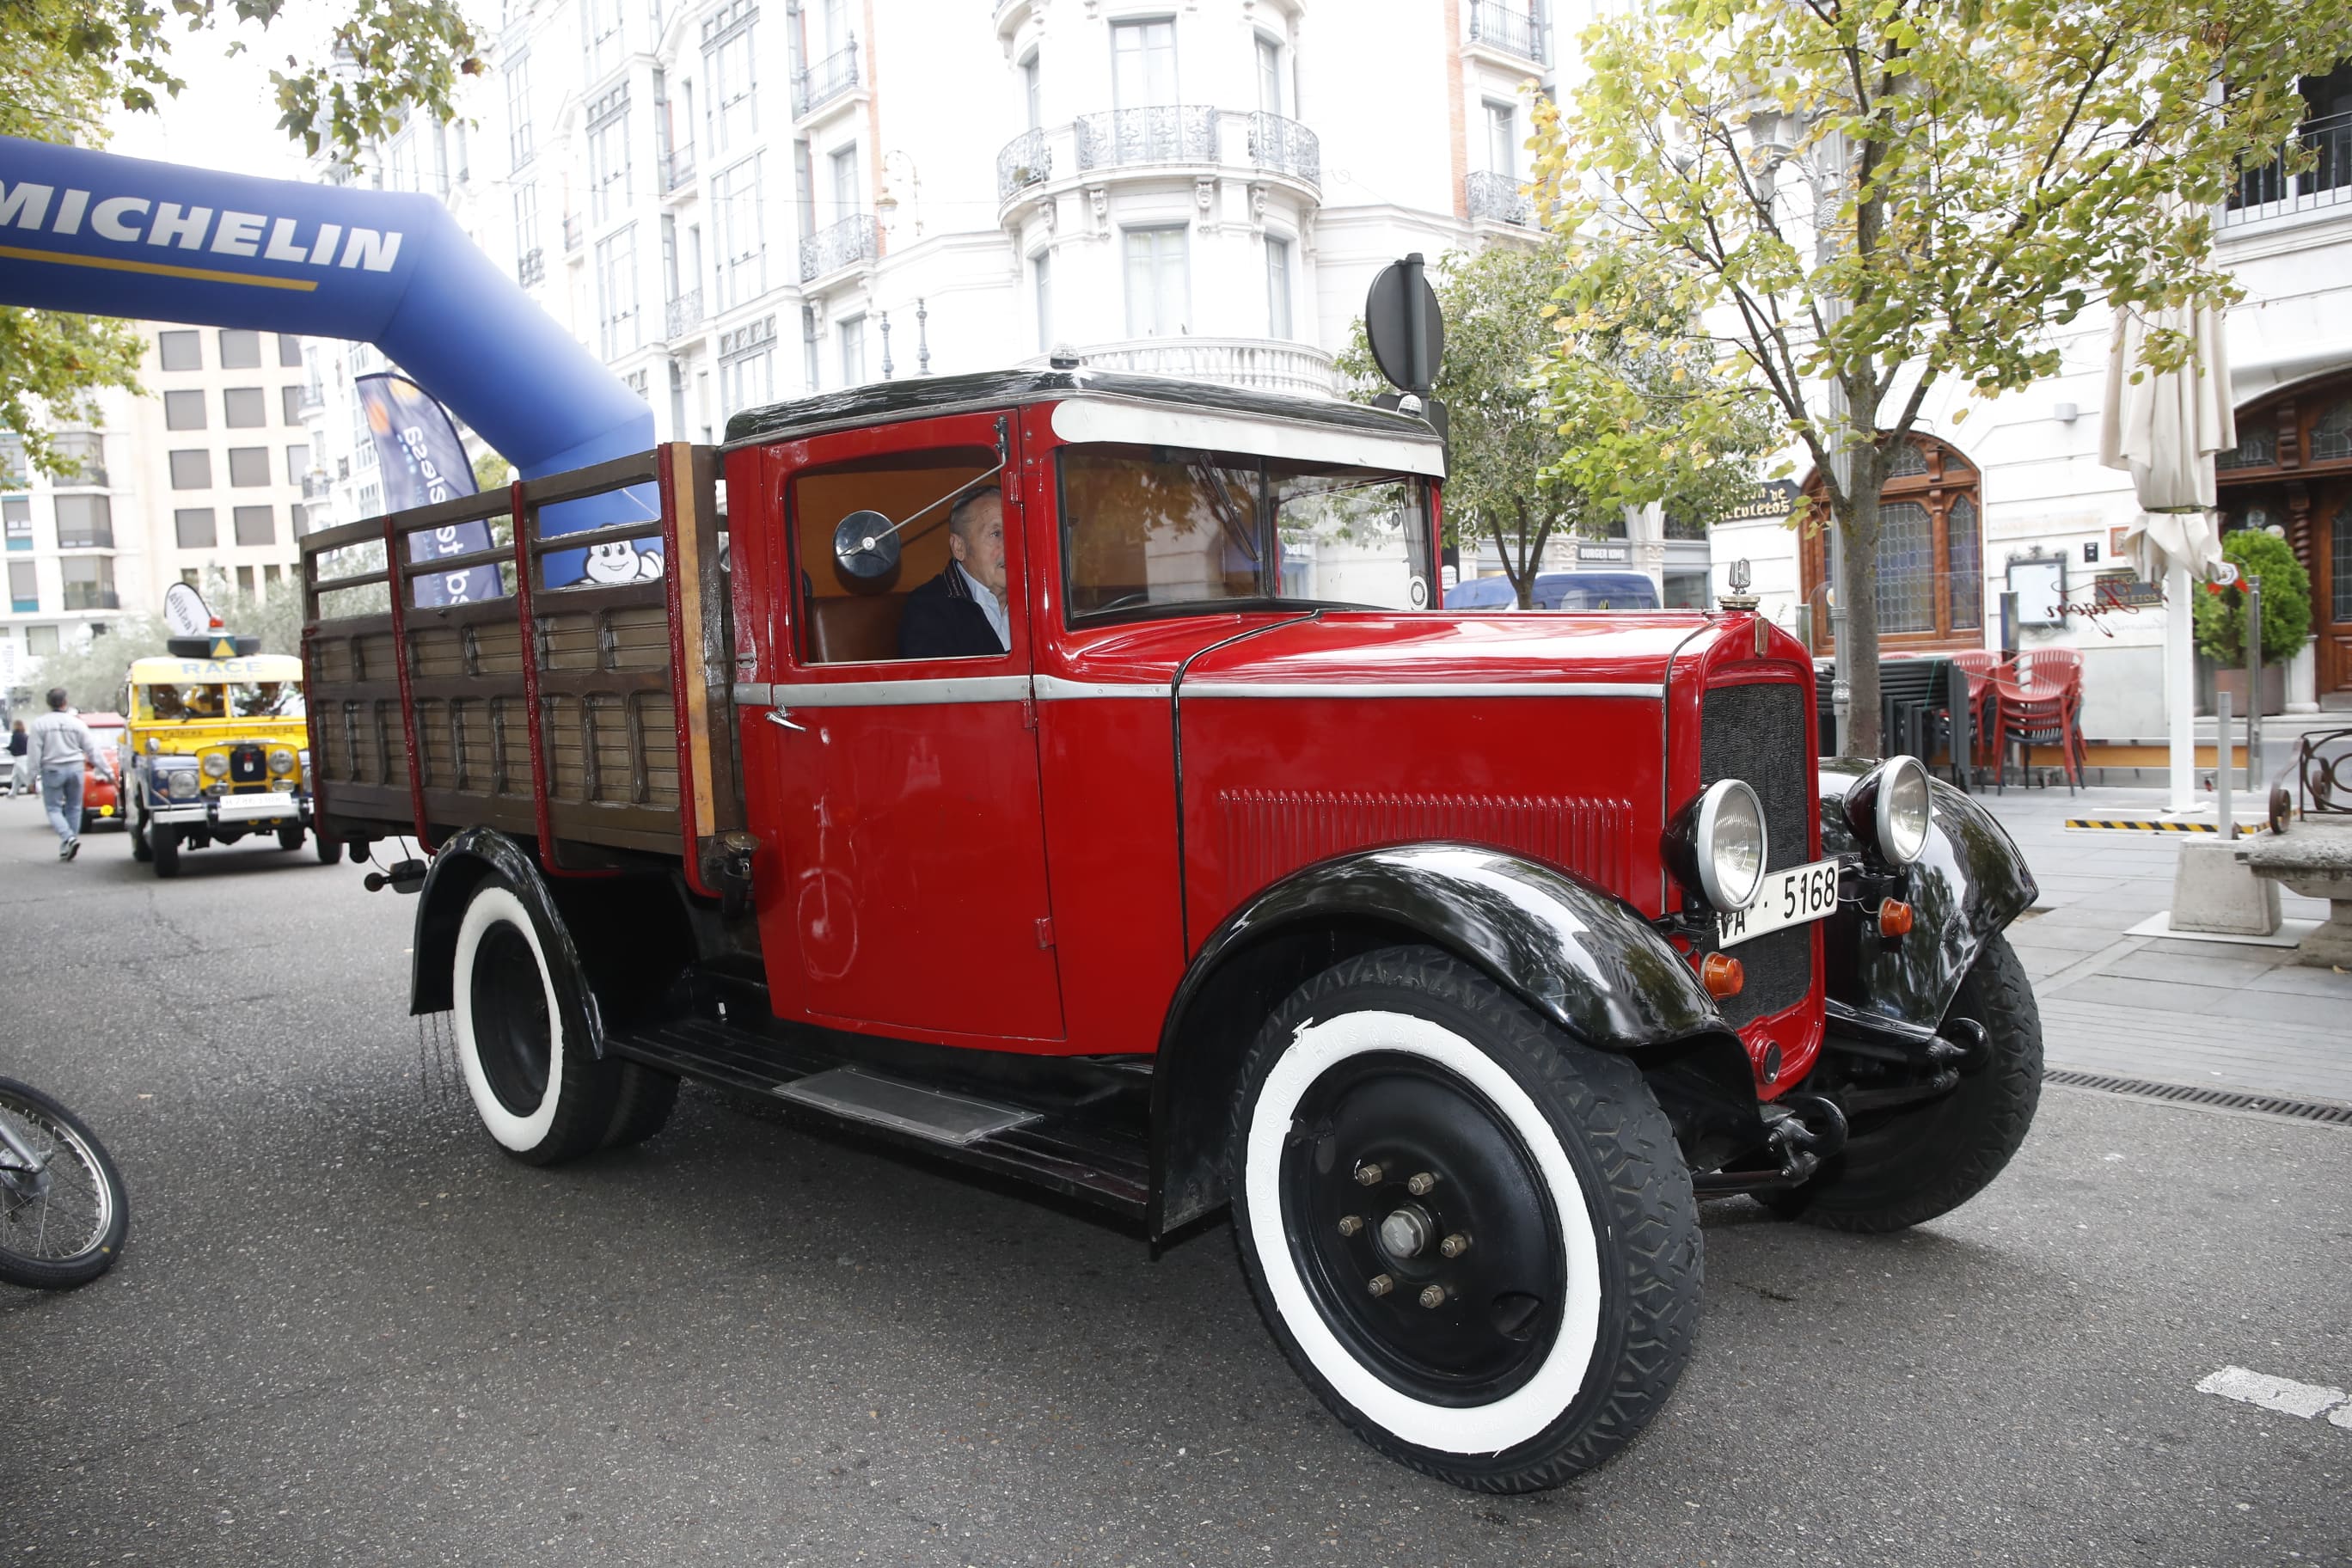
(1433, 1296)
(1419, 1186)
(1380, 1285)
(1455, 1246)
(1367, 1175)
(1350, 1225)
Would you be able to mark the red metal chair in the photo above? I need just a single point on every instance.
(1981, 665)
(2042, 712)
(2062, 667)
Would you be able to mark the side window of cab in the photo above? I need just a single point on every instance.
(902, 557)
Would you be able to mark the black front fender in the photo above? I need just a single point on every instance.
(1575, 953)
(1970, 882)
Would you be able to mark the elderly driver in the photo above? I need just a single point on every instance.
(959, 614)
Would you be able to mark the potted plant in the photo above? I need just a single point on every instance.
(2220, 617)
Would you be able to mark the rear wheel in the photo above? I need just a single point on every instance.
(1475, 1238)
(538, 1090)
(163, 847)
(289, 837)
(329, 850)
(63, 1216)
(1904, 1166)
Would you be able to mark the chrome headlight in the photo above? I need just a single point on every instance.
(281, 760)
(215, 764)
(1889, 807)
(168, 781)
(1717, 844)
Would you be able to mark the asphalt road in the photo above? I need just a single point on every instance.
(347, 1330)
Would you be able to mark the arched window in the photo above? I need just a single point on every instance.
(1930, 551)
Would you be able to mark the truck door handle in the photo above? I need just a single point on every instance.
(777, 717)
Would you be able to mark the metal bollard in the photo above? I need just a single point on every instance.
(2222, 770)
(2253, 683)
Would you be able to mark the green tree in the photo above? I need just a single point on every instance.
(1867, 202)
(1560, 419)
(69, 64)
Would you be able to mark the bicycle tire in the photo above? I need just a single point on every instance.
(79, 1170)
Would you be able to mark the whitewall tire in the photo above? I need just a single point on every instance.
(538, 1090)
(1475, 1238)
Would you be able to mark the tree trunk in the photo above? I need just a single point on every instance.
(1523, 576)
(1858, 596)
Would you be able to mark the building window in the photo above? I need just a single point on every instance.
(1143, 63)
(84, 454)
(1159, 291)
(1277, 288)
(526, 218)
(747, 365)
(17, 516)
(1033, 95)
(608, 156)
(616, 291)
(240, 350)
(853, 351)
(39, 641)
(85, 522)
(254, 525)
(248, 465)
(24, 595)
(1270, 75)
(600, 31)
(1930, 551)
(843, 164)
(299, 518)
(289, 403)
(728, 69)
(193, 525)
(184, 410)
(1045, 264)
(809, 348)
(244, 409)
(181, 350)
(298, 463)
(739, 225)
(12, 461)
(244, 581)
(290, 352)
(1502, 139)
(192, 470)
(519, 145)
(371, 499)
(89, 583)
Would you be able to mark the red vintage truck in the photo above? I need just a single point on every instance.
(1458, 954)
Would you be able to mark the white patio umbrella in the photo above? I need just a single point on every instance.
(2165, 429)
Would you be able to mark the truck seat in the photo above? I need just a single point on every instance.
(855, 628)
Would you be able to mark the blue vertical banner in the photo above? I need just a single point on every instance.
(422, 460)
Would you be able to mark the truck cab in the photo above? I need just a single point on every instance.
(1214, 867)
(214, 749)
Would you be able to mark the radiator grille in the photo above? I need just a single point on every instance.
(1269, 833)
(1758, 734)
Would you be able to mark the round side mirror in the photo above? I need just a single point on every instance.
(865, 545)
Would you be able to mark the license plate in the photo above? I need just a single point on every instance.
(1790, 898)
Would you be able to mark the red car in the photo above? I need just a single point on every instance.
(102, 795)
(1198, 863)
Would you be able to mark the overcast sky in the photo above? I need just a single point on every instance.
(226, 116)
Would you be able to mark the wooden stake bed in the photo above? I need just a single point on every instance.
(421, 717)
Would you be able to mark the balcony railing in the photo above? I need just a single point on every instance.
(533, 267)
(1166, 133)
(851, 241)
(1497, 198)
(91, 596)
(2271, 191)
(1506, 29)
(677, 167)
(683, 314)
(1266, 364)
(825, 81)
(310, 398)
(572, 235)
(1025, 161)
(1286, 147)
(317, 486)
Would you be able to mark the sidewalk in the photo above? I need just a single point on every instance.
(2216, 1015)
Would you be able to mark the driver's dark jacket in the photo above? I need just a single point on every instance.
(941, 621)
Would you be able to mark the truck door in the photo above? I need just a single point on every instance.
(909, 892)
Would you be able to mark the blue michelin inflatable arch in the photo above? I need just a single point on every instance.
(100, 235)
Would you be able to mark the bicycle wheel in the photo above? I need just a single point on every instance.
(62, 1217)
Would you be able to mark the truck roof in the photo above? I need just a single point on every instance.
(922, 396)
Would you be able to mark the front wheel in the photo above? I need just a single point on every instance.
(141, 850)
(1907, 1166)
(63, 1212)
(289, 837)
(1474, 1237)
(163, 848)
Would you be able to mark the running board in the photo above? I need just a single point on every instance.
(1066, 1147)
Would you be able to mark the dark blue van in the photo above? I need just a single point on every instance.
(1560, 591)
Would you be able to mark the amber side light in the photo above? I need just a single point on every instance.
(1722, 975)
(1894, 919)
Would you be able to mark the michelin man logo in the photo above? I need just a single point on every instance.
(619, 563)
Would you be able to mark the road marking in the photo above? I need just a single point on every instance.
(2280, 1394)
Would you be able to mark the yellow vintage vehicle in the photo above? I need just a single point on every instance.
(216, 749)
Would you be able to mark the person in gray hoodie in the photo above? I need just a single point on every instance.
(58, 745)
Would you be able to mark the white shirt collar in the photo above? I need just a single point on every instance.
(990, 605)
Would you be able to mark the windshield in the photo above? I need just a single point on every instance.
(1147, 527)
(265, 700)
(171, 703)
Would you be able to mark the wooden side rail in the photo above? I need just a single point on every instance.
(588, 718)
